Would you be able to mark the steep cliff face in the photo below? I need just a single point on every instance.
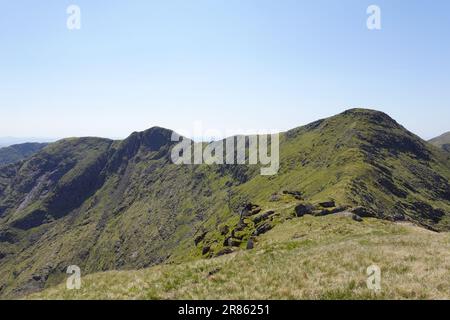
(103, 204)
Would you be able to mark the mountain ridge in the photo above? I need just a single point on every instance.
(119, 204)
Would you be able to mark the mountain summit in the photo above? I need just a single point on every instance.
(106, 205)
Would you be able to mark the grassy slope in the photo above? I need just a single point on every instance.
(19, 152)
(140, 213)
(146, 210)
(358, 158)
(443, 141)
(305, 258)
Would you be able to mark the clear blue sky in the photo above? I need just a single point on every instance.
(232, 64)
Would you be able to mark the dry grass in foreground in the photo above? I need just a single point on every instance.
(307, 258)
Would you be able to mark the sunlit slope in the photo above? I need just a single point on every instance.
(306, 258)
(107, 205)
(443, 141)
(363, 157)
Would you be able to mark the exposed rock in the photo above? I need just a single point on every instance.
(139, 170)
(262, 229)
(356, 218)
(234, 234)
(398, 216)
(296, 194)
(224, 251)
(200, 238)
(388, 184)
(255, 211)
(327, 204)
(7, 236)
(206, 249)
(234, 243)
(263, 216)
(302, 209)
(250, 210)
(321, 213)
(363, 212)
(240, 226)
(224, 230)
(274, 198)
(230, 242)
(325, 212)
(426, 210)
(250, 244)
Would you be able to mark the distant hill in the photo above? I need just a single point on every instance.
(9, 141)
(19, 152)
(110, 205)
(443, 141)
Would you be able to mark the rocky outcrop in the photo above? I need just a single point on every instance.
(328, 204)
(263, 216)
(303, 208)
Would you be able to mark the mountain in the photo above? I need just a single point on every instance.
(107, 205)
(9, 141)
(443, 141)
(19, 152)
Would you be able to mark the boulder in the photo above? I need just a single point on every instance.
(230, 242)
(200, 238)
(296, 194)
(302, 209)
(321, 213)
(263, 216)
(250, 244)
(262, 229)
(250, 210)
(206, 249)
(363, 212)
(224, 251)
(255, 211)
(356, 218)
(327, 204)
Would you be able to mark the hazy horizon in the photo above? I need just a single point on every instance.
(8, 141)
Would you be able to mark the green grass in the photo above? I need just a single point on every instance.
(112, 205)
(304, 258)
(443, 141)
